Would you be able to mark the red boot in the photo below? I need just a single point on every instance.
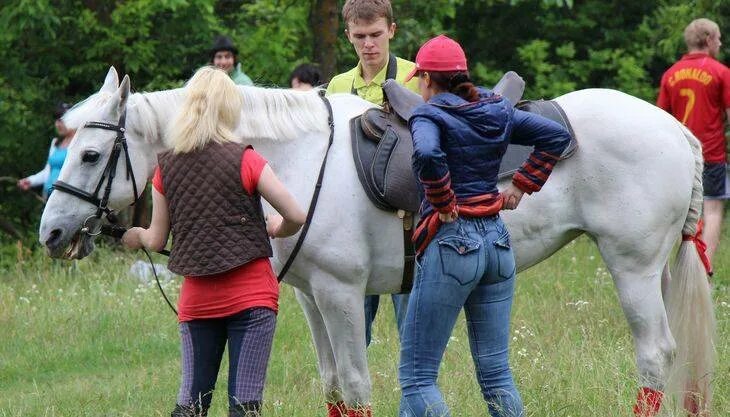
(648, 402)
(360, 412)
(337, 409)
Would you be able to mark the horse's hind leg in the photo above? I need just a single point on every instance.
(637, 272)
(325, 355)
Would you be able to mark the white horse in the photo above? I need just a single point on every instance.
(633, 186)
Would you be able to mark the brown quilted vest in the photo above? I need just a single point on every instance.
(216, 226)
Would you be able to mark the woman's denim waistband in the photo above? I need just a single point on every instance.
(480, 224)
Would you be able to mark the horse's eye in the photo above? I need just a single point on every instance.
(90, 157)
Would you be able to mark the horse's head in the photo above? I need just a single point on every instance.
(99, 149)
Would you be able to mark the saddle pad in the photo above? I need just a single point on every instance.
(384, 167)
(517, 154)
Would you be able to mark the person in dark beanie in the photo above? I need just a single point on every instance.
(305, 77)
(223, 54)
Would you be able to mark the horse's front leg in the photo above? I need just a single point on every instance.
(341, 307)
(325, 355)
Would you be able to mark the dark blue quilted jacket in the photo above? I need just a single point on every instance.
(458, 147)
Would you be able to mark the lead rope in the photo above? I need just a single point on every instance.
(157, 279)
(117, 232)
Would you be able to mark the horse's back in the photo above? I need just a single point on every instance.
(632, 155)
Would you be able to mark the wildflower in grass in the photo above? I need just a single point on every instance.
(579, 305)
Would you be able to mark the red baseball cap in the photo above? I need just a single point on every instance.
(439, 54)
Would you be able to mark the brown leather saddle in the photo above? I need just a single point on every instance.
(382, 146)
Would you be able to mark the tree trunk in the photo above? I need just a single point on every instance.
(324, 19)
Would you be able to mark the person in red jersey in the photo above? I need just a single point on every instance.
(207, 190)
(696, 91)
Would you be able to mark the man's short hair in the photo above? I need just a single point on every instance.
(367, 11)
(697, 32)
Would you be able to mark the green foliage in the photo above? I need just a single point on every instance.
(59, 50)
(593, 43)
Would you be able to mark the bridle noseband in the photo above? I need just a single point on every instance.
(92, 225)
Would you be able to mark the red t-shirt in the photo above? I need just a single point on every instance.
(696, 90)
(250, 285)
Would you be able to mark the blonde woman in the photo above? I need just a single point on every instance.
(207, 191)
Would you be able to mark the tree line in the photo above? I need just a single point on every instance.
(59, 50)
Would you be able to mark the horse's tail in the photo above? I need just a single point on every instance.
(689, 305)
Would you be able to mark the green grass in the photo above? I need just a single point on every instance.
(87, 339)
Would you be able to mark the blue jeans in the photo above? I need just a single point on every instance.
(469, 264)
(400, 304)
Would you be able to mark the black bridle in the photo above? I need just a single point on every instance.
(92, 225)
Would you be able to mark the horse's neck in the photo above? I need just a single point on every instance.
(152, 112)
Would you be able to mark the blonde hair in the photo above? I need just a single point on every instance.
(210, 112)
(697, 32)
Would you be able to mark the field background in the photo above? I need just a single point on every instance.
(88, 339)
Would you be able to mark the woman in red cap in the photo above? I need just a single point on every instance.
(464, 255)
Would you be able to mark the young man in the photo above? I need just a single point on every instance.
(223, 55)
(696, 90)
(369, 27)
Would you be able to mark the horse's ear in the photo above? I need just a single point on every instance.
(111, 82)
(114, 107)
(124, 88)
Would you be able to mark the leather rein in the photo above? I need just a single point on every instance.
(93, 226)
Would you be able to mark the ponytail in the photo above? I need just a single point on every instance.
(456, 82)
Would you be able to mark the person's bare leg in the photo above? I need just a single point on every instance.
(712, 214)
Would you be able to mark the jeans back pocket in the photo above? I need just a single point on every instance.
(505, 258)
(460, 258)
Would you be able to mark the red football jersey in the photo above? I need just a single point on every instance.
(696, 90)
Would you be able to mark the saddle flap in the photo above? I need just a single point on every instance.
(511, 86)
(400, 99)
(374, 122)
(382, 149)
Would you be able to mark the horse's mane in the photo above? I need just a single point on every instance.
(146, 118)
(86, 110)
(278, 114)
(268, 114)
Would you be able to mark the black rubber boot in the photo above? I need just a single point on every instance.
(249, 409)
(188, 411)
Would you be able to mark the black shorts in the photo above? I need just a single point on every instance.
(714, 181)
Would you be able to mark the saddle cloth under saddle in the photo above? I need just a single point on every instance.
(382, 145)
